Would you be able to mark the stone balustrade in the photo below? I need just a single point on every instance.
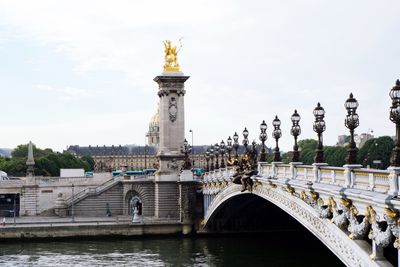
(358, 178)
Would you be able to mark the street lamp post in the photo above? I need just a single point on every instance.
(207, 160)
(236, 144)
(222, 152)
(295, 131)
(72, 204)
(245, 141)
(319, 127)
(263, 138)
(277, 133)
(229, 148)
(186, 149)
(216, 148)
(351, 122)
(212, 157)
(395, 117)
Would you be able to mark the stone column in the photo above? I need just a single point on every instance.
(394, 180)
(293, 169)
(187, 196)
(317, 173)
(275, 165)
(348, 174)
(172, 124)
(169, 196)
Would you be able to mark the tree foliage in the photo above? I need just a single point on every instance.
(334, 155)
(377, 149)
(47, 162)
(307, 150)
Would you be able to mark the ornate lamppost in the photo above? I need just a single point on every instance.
(222, 152)
(212, 157)
(216, 148)
(236, 144)
(277, 133)
(295, 131)
(245, 141)
(186, 149)
(207, 160)
(395, 117)
(319, 127)
(263, 138)
(351, 122)
(229, 147)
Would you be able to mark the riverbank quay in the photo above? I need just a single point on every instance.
(34, 228)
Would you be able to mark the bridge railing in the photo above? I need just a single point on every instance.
(351, 176)
(382, 181)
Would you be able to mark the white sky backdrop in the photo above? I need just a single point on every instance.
(81, 72)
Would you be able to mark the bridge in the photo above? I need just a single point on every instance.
(352, 211)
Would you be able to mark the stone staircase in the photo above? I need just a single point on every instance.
(94, 201)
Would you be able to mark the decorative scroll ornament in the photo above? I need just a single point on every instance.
(173, 109)
(359, 224)
(325, 210)
(311, 200)
(340, 217)
(393, 220)
(381, 237)
(175, 165)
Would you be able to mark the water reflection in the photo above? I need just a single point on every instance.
(259, 250)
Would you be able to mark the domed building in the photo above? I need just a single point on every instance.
(153, 135)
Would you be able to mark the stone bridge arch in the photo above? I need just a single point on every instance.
(348, 251)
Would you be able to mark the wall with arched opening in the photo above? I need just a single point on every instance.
(144, 195)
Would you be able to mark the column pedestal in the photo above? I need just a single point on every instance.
(293, 169)
(394, 180)
(317, 173)
(348, 174)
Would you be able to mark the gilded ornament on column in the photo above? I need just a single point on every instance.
(171, 56)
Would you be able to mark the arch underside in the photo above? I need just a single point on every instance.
(346, 249)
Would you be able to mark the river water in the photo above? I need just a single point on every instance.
(296, 249)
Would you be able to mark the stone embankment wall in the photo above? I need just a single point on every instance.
(93, 230)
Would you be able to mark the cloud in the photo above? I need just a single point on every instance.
(248, 60)
(66, 93)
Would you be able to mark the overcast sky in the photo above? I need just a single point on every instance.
(81, 72)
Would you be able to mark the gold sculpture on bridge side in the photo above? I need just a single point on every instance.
(171, 56)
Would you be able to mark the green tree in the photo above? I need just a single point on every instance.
(13, 167)
(21, 151)
(90, 161)
(47, 162)
(335, 155)
(307, 150)
(377, 149)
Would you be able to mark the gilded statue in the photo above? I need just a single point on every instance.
(171, 56)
